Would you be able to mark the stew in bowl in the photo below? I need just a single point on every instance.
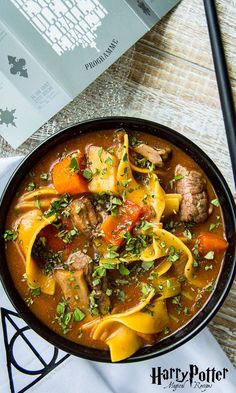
(115, 240)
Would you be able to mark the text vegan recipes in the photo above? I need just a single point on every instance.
(115, 240)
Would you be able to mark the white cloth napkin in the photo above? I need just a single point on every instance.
(56, 372)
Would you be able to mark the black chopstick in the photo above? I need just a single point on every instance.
(222, 77)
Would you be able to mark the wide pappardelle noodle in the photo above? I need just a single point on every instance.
(121, 240)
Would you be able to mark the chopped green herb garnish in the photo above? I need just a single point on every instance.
(146, 289)
(93, 306)
(68, 236)
(125, 157)
(175, 178)
(146, 265)
(78, 315)
(208, 267)
(31, 186)
(74, 167)
(166, 330)
(87, 173)
(61, 308)
(215, 202)
(120, 295)
(209, 287)
(109, 161)
(176, 300)
(210, 255)
(37, 204)
(100, 151)
(103, 171)
(44, 176)
(36, 291)
(188, 234)
(145, 225)
(214, 226)
(186, 311)
(123, 270)
(125, 183)
(9, 235)
(96, 282)
(58, 205)
(109, 292)
(111, 254)
(173, 255)
(63, 317)
(31, 174)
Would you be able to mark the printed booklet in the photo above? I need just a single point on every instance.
(52, 50)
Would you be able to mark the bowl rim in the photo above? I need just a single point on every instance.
(200, 320)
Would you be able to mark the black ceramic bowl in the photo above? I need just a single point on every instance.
(227, 205)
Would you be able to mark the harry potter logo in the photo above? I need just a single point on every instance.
(175, 378)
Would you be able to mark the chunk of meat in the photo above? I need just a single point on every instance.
(74, 288)
(102, 298)
(119, 142)
(192, 187)
(83, 215)
(80, 261)
(153, 154)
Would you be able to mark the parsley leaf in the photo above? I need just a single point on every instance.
(74, 165)
(210, 255)
(123, 270)
(215, 202)
(78, 315)
(9, 235)
(87, 173)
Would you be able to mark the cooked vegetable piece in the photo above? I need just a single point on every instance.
(40, 192)
(114, 227)
(30, 226)
(172, 204)
(66, 178)
(156, 197)
(123, 343)
(211, 242)
(140, 321)
(103, 166)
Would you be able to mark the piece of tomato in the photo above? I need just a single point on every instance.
(114, 227)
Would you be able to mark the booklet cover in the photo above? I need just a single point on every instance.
(52, 50)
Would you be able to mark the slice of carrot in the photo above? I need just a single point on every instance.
(211, 242)
(65, 180)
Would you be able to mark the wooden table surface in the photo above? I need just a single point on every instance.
(168, 77)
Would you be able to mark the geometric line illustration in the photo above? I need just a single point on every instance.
(17, 66)
(35, 365)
